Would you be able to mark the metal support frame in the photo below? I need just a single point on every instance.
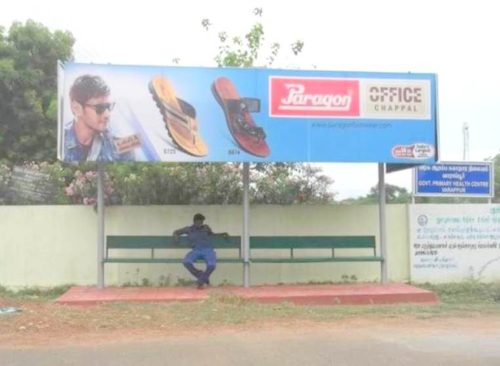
(382, 222)
(100, 227)
(245, 242)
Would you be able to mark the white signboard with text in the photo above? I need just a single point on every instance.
(451, 243)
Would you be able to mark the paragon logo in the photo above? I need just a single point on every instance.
(298, 99)
(313, 97)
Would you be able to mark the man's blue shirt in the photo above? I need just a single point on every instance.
(199, 236)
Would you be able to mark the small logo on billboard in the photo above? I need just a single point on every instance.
(126, 144)
(313, 97)
(419, 151)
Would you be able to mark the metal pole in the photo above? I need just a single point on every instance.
(245, 237)
(100, 226)
(382, 221)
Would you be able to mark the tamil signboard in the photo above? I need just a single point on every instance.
(30, 185)
(454, 179)
(454, 243)
(141, 113)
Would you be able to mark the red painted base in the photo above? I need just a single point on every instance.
(299, 294)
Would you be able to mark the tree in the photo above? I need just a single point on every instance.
(173, 183)
(279, 183)
(238, 51)
(393, 194)
(28, 110)
(28, 92)
(287, 183)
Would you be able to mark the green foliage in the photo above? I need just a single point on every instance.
(28, 90)
(202, 183)
(244, 51)
(393, 194)
(471, 291)
(35, 293)
(83, 188)
(289, 183)
(170, 183)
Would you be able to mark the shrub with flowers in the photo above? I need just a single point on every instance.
(83, 188)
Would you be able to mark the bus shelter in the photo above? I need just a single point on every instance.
(194, 114)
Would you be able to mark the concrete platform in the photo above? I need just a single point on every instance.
(351, 294)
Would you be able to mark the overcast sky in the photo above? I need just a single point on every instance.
(457, 40)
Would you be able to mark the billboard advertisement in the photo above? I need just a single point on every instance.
(197, 114)
(454, 179)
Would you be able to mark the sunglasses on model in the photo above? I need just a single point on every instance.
(101, 107)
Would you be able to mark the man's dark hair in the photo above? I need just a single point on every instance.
(198, 216)
(87, 87)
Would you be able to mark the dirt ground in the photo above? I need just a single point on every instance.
(228, 331)
(42, 323)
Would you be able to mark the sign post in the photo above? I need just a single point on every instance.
(382, 223)
(454, 179)
(100, 226)
(246, 232)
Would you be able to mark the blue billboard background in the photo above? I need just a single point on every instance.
(389, 118)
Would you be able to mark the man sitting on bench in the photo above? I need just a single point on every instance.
(199, 235)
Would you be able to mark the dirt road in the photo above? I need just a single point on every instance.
(354, 341)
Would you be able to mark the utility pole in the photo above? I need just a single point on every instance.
(465, 131)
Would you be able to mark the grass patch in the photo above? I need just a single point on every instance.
(35, 293)
(466, 292)
(468, 299)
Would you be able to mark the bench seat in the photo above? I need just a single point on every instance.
(164, 260)
(316, 259)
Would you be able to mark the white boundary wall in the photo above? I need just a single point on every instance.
(56, 245)
(455, 242)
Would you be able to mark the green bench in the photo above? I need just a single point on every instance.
(263, 249)
(337, 246)
(148, 247)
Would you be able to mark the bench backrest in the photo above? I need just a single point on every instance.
(165, 242)
(234, 242)
(312, 242)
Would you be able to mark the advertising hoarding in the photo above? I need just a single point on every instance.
(195, 114)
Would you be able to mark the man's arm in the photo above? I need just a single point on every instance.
(210, 232)
(179, 232)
